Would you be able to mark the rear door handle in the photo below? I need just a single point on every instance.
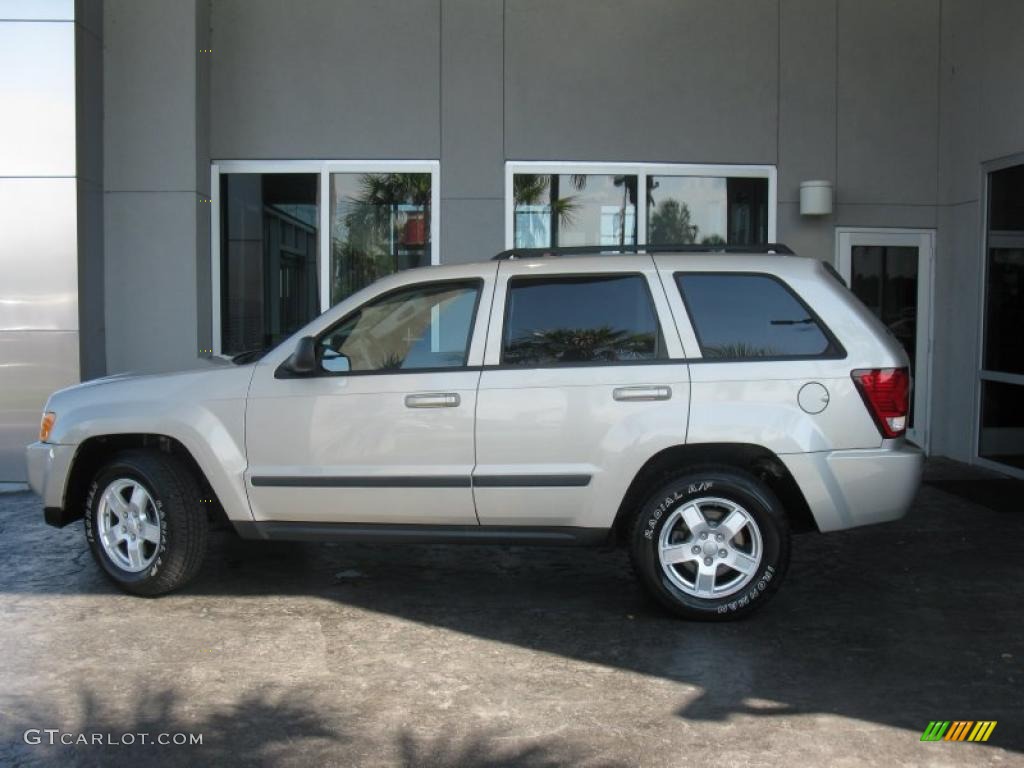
(433, 400)
(642, 393)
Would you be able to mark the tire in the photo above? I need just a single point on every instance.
(724, 498)
(160, 534)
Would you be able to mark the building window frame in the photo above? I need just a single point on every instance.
(324, 169)
(986, 240)
(641, 171)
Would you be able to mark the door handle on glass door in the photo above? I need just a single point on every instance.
(642, 393)
(433, 400)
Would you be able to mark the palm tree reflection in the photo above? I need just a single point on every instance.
(578, 345)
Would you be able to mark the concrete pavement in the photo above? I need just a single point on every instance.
(284, 654)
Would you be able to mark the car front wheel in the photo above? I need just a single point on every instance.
(711, 543)
(145, 523)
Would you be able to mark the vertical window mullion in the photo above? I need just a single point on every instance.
(325, 239)
(215, 260)
(641, 207)
(435, 213)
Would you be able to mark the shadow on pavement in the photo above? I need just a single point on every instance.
(261, 729)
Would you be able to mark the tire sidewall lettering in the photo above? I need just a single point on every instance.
(670, 502)
(751, 594)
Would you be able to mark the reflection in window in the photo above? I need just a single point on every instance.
(268, 255)
(707, 210)
(380, 223)
(553, 210)
(580, 320)
(424, 326)
(772, 322)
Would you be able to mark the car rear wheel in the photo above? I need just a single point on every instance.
(712, 543)
(145, 523)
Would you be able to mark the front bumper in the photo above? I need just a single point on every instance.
(48, 466)
(845, 489)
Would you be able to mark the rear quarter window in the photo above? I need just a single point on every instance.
(750, 317)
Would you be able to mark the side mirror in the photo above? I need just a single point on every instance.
(303, 360)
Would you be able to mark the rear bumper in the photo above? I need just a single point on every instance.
(47, 474)
(845, 489)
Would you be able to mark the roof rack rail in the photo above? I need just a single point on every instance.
(595, 250)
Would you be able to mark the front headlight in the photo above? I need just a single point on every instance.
(46, 426)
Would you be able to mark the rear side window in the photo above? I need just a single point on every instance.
(744, 317)
(595, 319)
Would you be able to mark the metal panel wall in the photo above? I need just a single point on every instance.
(38, 200)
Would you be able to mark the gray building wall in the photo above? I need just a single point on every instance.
(155, 183)
(879, 97)
(982, 119)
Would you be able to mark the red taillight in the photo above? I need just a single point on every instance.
(886, 393)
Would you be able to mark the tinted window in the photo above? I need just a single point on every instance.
(425, 326)
(580, 320)
(268, 252)
(750, 316)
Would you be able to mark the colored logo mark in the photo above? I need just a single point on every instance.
(958, 730)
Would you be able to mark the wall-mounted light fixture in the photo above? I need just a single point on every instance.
(815, 198)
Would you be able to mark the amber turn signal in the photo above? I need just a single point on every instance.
(46, 426)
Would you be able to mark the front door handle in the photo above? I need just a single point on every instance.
(433, 400)
(642, 393)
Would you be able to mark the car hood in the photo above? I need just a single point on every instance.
(216, 381)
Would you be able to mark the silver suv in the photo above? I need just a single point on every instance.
(694, 406)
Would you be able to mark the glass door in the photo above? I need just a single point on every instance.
(890, 270)
(1001, 417)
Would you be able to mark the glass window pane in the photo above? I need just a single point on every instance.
(1004, 311)
(425, 326)
(580, 320)
(573, 209)
(1002, 423)
(268, 254)
(1006, 199)
(772, 323)
(380, 223)
(707, 210)
(885, 279)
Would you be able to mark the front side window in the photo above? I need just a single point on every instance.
(415, 328)
(584, 320)
(744, 317)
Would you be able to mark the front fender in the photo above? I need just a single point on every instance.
(204, 411)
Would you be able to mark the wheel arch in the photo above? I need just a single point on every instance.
(755, 459)
(95, 451)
